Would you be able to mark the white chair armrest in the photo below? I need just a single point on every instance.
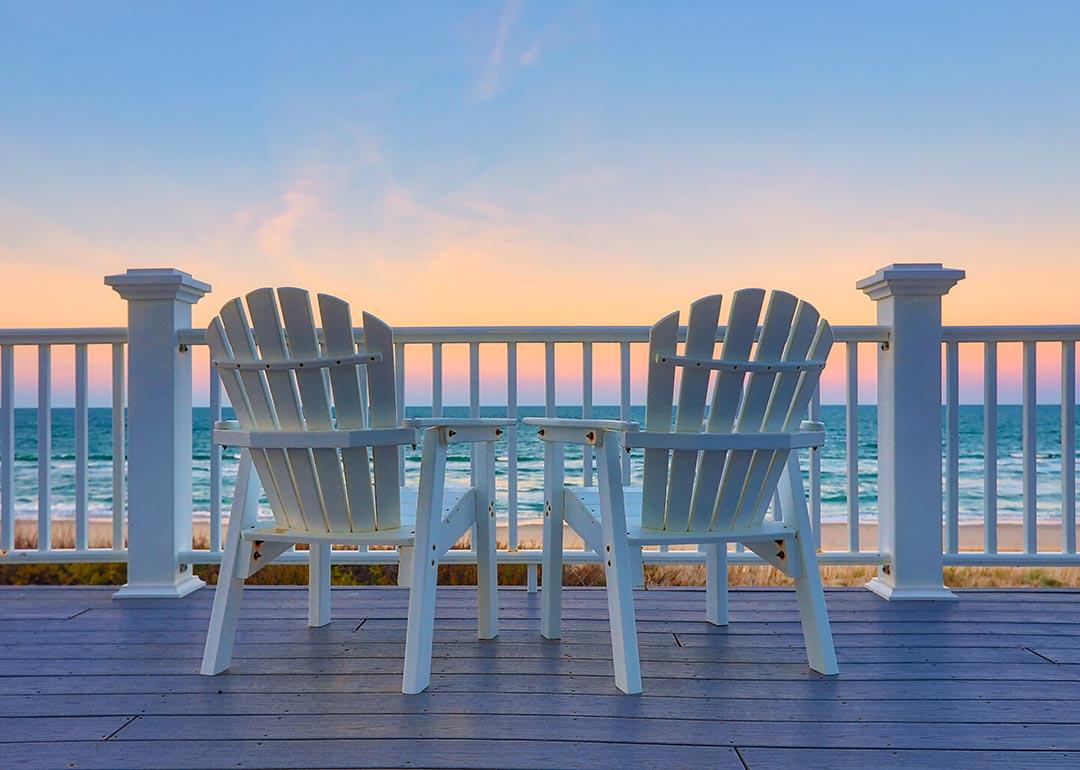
(571, 431)
(623, 426)
(464, 430)
(458, 422)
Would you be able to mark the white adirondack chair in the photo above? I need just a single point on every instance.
(710, 480)
(305, 430)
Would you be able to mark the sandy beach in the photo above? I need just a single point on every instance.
(834, 535)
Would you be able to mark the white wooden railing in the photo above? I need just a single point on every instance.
(899, 553)
(989, 337)
(46, 341)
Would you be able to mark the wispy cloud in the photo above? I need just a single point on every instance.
(308, 191)
(531, 56)
(275, 233)
(500, 65)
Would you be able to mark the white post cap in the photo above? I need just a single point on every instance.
(158, 283)
(926, 278)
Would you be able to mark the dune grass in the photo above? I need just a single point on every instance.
(109, 573)
(573, 575)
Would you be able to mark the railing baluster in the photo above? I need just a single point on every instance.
(549, 379)
(7, 447)
(624, 401)
(119, 489)
(549, 411)
(82, 449)
(399, 387)
(1068, 446)
(851, 425)
(474, 404)
(990, 452)
(952, 447)
(586, 410)
(814, 413)
(44, 417)
(1031, 531)
(215, 462)
(511, 441)
(436, 380)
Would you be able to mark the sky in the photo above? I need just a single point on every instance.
(520, 162)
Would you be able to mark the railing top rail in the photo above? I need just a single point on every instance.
(89, 336)
(1042, 333)
(526, 334)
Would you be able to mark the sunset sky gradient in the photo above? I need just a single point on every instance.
(541, 163)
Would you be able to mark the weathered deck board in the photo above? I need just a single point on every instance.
(860, 759)
(1036, 670)
(381, 753)
(989, 681)
(23, 653)
(972, 711)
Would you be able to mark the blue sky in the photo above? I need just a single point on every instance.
(497, 162)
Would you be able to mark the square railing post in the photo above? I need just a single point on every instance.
(908, 298)
(159, 430)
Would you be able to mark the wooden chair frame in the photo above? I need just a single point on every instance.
(311, 458)
(707, 482)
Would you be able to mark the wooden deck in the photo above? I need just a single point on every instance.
(990, 681)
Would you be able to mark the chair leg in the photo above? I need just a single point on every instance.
(716, 584)
(808, 588)
(404, 570)
(812, 611)
(638, 567)
(235, 559)
(419, 632)
(217, 654)
(552, 558)
(487, 573)
(318, 584)
(617, 570)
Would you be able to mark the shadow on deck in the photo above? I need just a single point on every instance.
(989, 681)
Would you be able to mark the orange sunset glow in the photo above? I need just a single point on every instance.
(546, 177)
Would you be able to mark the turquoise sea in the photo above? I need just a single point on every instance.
(530, 461)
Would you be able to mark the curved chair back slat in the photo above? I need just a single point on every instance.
(303, 342)
(383, 413)
(348, 400)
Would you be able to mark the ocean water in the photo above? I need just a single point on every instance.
(530, 461)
